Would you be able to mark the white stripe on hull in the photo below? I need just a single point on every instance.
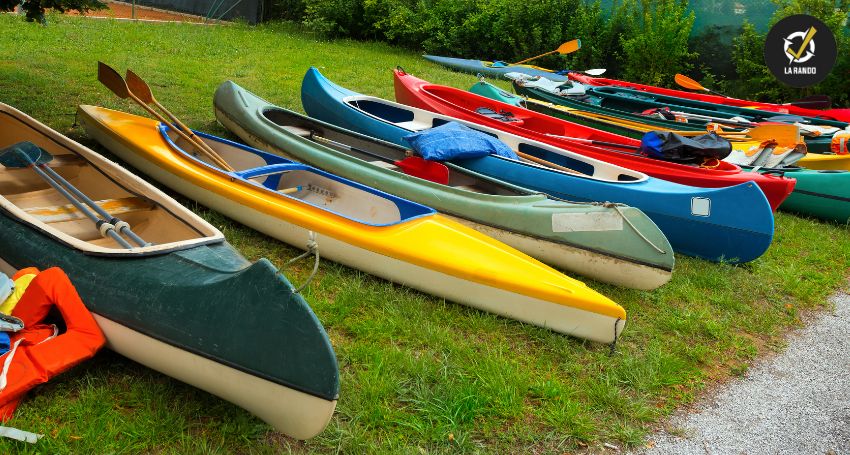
(290, 411)
(584, 262)
(559, 318)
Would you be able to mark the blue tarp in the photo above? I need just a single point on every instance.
(455, 141)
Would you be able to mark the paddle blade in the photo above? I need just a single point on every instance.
(139, 87)
(424, 169)
(112, 80)
(569, 47)
(689, 83)
(24, 154)
(595, 71)
(783, 133)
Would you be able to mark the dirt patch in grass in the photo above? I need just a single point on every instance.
(121, 10)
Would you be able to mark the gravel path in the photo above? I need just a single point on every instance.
(795, 403)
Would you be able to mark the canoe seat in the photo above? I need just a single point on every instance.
(63, 213)
(473, 188)
(298, 131)
(270, 169)
(414, 125)
(384, 164)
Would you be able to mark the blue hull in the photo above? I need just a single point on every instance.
(738, 226)
(477, 66)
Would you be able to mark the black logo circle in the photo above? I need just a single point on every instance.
(800, 50)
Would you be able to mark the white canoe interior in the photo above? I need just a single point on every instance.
(283, 178)
(414, 119)
(153, 216)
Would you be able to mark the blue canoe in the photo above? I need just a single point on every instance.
(494, 69)
(733, 224)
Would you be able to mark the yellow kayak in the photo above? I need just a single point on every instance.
(361, 227)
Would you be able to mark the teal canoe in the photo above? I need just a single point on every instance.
(615, 244)
(188, 304)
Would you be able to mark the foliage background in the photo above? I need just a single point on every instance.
(639, 40)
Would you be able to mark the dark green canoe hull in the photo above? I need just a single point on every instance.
(205, 299)
(819, 194)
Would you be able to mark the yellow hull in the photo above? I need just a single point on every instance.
(430, 253)
(825, 162)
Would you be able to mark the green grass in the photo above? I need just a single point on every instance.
(418, 375)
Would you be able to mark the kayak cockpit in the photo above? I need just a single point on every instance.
(379, 153)
(285, 178)
(416, 120)
(39, 195)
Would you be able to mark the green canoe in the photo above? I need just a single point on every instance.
(615, 244)
(822, 194)
(187, 304)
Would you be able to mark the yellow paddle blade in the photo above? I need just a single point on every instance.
(569, 47)
(689, 83)
(782, 133)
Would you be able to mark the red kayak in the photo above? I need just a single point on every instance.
(550, 130)
(841, 115)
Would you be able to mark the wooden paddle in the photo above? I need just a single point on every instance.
(114, 82)
(142, 90)
(566, 48)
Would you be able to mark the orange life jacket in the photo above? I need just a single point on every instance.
(39, 351)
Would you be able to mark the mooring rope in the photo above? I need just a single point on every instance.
(616, 207)
(312, 248)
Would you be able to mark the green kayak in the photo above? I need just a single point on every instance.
(615, 244)
(822, 194)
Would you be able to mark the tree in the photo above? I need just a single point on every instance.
(35, 9)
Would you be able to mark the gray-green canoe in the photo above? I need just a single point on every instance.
(614, 244)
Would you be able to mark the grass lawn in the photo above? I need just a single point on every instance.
(418, 374)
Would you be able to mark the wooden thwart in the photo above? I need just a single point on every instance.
(63, 213)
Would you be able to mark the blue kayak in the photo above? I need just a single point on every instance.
(494, 69)
(732, 224)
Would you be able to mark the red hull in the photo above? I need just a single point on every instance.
(841, 115)
(461, 104)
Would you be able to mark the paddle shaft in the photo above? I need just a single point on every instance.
(193, 137)
(82, 208)
(349, 148)
(535, 57)
(546, 163)
(121, 226)
(186, 138)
